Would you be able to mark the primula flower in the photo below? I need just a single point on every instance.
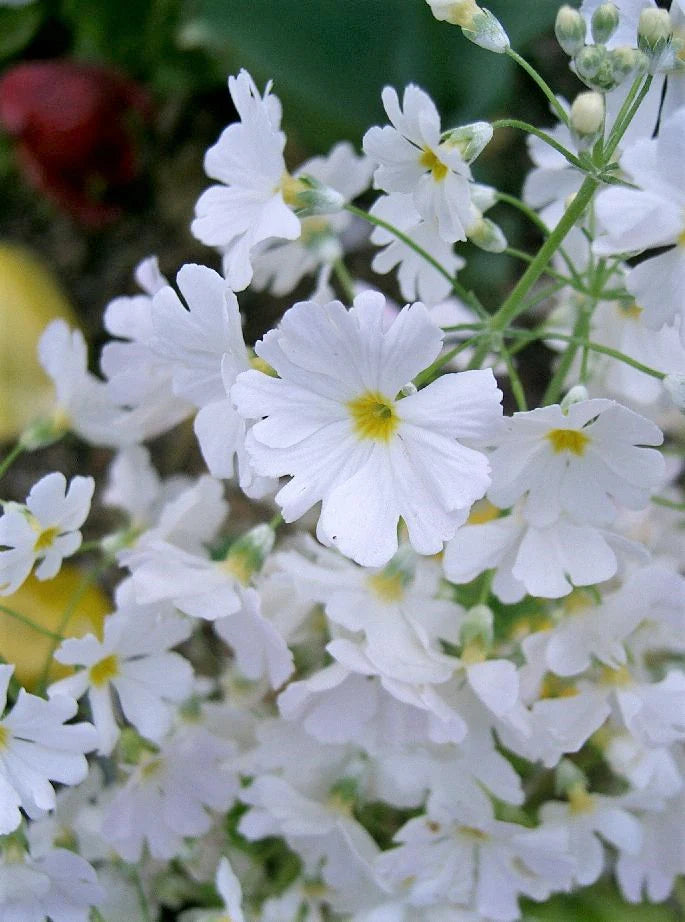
(73, 124)
(580, 461)
(413, 158)
(333, 421)
(45, 529)
(134, 658)
(650, 217)
(251, 204)
(35, 748)
(58, 885)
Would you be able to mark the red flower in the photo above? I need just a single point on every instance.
(75, 127)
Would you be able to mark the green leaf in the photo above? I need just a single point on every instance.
(330, 60)
(17, 28)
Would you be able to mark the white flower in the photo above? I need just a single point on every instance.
(135, 660)
(84, 403)
(547, 561)
(169, 795)
(45, 529)
(249, 206)
(204, 350)
(580, 461)
(36, 748)
(413, 158)
(334, 423)
(416, 276)
(648, 217)
(280, 265)
(230, 892)
(59, 885)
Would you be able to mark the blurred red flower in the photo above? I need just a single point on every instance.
(76, 126)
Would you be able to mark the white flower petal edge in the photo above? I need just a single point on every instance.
(333, 422)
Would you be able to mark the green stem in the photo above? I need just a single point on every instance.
(546, 89)
(10, 458)
(76, 597)
(668, 503)
(467, 296)
(626, 114)
(345, 279)
(428, 374)
(544, 136)
(513, 304)
(276, 522)
(514, 379)
(32, 624)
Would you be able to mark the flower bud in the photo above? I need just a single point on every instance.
(654, 33)
(595, 68)
(485, 234)
(247, 555)
(604, 23)
(487, 31)
(587, 118)
(626, 61)
(470, 139)
(576, 395)
(309, 196)
(477, 629)
(570, 30)
(674, 385)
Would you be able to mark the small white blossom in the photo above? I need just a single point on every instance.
(45, 529)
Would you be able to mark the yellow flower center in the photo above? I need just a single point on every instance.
(45, 539)
(373, 416)
(4, 737)
(389, 587)
(104, 671)
(290, 189)
(239, 566)
(579, 800)
(571, 440)
(619, 678)
(632, 311)
(431, 162)
(483, 512)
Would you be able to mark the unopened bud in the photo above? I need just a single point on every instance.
(594, 67)
(626, 61)
(577, 394)
(247, 555)
(478, 628)
(488, 32)
(485, 234)
(570, 30)
(604, 22)
(654, 33)
(470, 139)
(312, 197)
(674, 385)
(587, 118)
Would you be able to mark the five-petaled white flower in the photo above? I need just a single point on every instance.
(335, 421)
(45, 529)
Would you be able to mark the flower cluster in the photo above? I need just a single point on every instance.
(454, 682)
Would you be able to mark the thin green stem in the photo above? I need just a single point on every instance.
(345, 279)
(467, 296)
(10, 458)
(594, 347)
(513, 305)
(626, 114)
(514, 379)
(668, 503)
(535, 218)
(546, 89)
(29, 623)
(544, 136)
(86, 581)
(428, 374)
(276, 521)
